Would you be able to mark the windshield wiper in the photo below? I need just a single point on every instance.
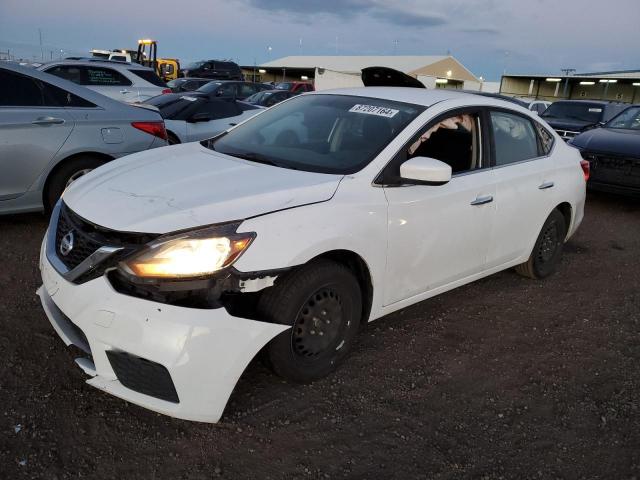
(254, 157)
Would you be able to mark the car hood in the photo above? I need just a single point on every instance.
(185, 186)
(566, 124)
(610, 140)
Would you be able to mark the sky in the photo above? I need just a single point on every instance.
(488, 36)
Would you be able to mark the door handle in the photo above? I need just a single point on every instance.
(233, 124)
(125, 91)
(546, 185)
(482, 200)
(48, 121)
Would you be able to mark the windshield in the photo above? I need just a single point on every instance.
(584, 112)
(209, 87)
(319, 133)
(193, 65)
(284, 86)
(256, 97)
(629, 119)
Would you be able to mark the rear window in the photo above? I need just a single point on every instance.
(99, 76)
(150, 76)
(583, 112)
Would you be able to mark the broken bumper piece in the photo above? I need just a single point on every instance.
(182, 362)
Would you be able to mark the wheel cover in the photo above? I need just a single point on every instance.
(548, 244)
(319, 325)
(77, 175)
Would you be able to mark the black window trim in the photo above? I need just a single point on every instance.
(42, 85)
(538, 139)
(487, 154)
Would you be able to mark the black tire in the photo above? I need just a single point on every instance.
(172, 139)
(66, 173)
(548, 248)
(322, 301)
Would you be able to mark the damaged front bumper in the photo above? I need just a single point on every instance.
(179, 361)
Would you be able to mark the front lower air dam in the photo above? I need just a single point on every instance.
(182, 362)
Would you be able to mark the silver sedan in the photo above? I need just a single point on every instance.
(53, 131)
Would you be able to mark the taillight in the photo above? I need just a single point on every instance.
(153, 128)
(586, 169)
(166, 90)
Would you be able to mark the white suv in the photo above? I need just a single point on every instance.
(173, 268)
(128, 82)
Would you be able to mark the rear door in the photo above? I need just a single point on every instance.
(33, 127)
(525, 176)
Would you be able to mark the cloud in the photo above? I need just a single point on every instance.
(380, 10)
(481, 30)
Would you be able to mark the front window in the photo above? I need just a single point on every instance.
(629, 119)
(583, 112)
(319, 133)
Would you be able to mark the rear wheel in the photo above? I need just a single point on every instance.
(322, 302)
(548, 248)
(67, 173)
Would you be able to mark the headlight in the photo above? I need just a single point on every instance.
(192, 254)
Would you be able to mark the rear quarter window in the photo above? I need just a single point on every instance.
(106, 77)
(149, 76)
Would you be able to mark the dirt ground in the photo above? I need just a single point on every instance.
(504, 378)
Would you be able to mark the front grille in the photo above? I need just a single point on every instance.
(143, 376)
(566, 134)
(87, 239)
(83, 245)
(615, 170)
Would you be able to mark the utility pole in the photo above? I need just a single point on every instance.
(567, 72)
(395, 47)
(41, 49)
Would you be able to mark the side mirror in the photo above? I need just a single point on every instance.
(199, 117)
(426, 171)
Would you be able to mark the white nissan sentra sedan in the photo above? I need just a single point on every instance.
(173, 268)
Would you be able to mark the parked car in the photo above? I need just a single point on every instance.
(186, 84)
(263, 239)
(537, 106)
(53, 131)
(614, 153)
(196, 116)
(295, 87)
(128, 82)
(269, 98)
(570, 117)
(214, 70)
(239, 90)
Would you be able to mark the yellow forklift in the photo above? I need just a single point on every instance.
(166, 68)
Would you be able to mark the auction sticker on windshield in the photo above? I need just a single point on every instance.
(374, 110)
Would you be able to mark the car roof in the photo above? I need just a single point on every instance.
(418, 96)
(83, 92)
(99, 63)
(597, 102)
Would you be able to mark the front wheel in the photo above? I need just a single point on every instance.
(548, 248)
(322, 302)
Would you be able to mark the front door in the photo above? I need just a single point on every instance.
(32, 130)
(438, 235)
